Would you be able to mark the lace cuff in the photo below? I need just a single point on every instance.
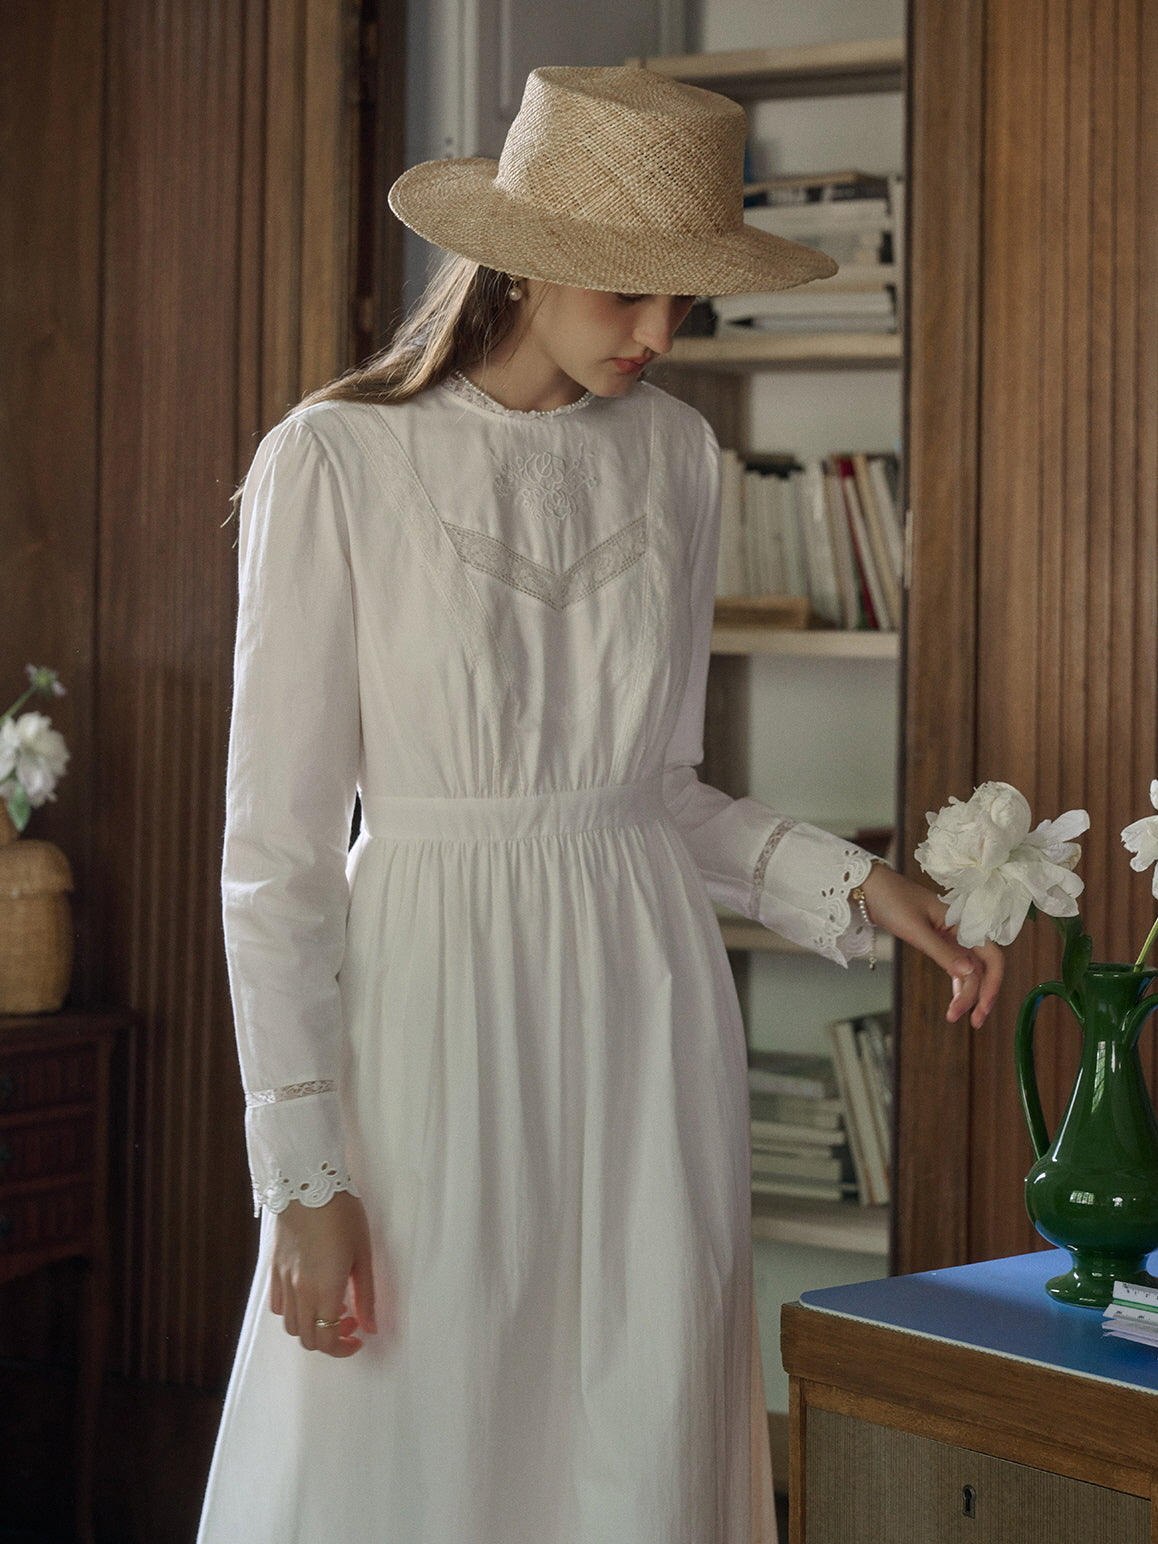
(801, 885)
(296, 1145)
(313, 1190)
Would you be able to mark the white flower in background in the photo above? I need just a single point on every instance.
(1141, 839)
(33, 756)
(993, 867)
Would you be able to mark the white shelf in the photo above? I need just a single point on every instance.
(741, 935)
(817, 69)
(774, 351)
(821, 1224)
(805, 643)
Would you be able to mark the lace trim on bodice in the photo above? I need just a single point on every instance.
(463, 387)
(595, 569)
(290, 1091)
(316, 1189)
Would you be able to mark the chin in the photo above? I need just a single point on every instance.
(617, 386)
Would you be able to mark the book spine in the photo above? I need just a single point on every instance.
(730, 578)
(888, 575)
(872, 596)
(871, 1167)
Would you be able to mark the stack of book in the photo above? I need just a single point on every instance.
(862, 1060)
(853, 217)
(799, 1146)
(826, 530)
(1132, 1314)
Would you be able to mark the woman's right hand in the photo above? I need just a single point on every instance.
(322, 1270)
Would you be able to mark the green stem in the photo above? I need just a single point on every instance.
(1148, 945)
(19, 703)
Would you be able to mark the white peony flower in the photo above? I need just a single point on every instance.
(33, 756)
(1141, 839)
(993, 867)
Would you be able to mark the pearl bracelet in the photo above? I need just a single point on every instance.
(857, 894)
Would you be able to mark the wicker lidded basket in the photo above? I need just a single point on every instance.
(35, 923)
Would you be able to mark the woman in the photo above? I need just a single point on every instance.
(495, 1070)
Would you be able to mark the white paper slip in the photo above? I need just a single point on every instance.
(1138, 1336)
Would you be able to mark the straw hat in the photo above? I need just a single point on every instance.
(610, 179)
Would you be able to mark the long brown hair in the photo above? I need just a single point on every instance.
(464, 313)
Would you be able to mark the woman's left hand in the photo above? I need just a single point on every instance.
(913, 913)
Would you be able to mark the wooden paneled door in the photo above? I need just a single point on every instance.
(1032, 645)
(192, 235)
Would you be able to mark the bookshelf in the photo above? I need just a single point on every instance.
(804, 643)
(743, 936)
(714, 373)
(813, 69)
(774, 352)
(821, 1225)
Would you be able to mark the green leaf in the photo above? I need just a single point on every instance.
(19, 808)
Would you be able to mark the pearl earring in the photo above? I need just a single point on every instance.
(514, 293)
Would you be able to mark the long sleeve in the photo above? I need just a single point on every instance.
(293, 760)
(786, 874)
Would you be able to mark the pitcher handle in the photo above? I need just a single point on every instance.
(1141, 1011)
(1026, 1071)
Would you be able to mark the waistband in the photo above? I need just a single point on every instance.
(530, 815)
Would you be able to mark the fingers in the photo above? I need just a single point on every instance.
(334, 1336)
(915, 914)
(975, 994)
(321, 1258)
(362, 1290)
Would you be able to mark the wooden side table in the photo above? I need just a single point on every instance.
(54, 1142)
(966, 1404)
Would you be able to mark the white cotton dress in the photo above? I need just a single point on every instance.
(505, 1018)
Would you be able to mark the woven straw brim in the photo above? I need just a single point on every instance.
(456, 205)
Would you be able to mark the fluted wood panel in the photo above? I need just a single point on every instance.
(51, 81)
(945, 54)
(1069, 521)
(1065, 558)
(226, 295)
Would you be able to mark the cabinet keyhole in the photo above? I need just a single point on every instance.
(969, 1500)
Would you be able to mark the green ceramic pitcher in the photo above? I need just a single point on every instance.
(1094, 1187)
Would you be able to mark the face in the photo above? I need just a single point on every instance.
(598, 340)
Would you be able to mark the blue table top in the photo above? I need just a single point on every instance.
(1000, 1306)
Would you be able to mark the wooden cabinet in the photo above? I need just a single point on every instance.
(867, 1483)
(54, 1120)
(966, 1404)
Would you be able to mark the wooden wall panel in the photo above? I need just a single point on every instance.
(1067, 668)
(945, 53)
(183, 196)
(51, 88)
(169, 457)
(227, 226)
(1064, 505)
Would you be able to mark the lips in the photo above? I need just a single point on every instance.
(627, 366)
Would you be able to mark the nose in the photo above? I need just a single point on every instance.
(658, 318)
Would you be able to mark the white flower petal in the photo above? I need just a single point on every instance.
(992, 866)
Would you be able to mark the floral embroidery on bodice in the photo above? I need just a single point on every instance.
(545, 483)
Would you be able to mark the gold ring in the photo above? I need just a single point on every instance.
(327, 1324)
